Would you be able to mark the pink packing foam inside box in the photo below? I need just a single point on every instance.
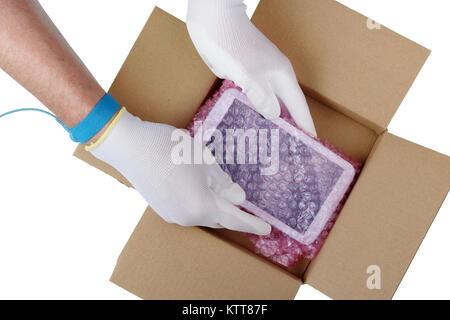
(292, 180)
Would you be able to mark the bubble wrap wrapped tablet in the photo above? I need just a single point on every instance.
(292, 181)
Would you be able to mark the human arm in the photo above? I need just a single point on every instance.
(34, 52)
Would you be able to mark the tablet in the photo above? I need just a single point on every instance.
(291, 180)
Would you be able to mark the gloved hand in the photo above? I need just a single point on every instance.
(235, 49)
(185, 194)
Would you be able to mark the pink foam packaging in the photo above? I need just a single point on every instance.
(301, 198)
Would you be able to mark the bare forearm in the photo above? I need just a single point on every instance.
(35, 54)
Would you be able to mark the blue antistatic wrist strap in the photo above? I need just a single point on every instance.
(91, 125)
(95, 120)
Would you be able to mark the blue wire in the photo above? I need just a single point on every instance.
(34, 109)
(27, 109)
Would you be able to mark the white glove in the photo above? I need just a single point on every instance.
(185, 194)
(235, 49)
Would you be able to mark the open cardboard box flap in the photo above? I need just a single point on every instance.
(363, 73)
(356, 79)
(166, 261)
(384, 220)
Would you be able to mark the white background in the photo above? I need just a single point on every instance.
(64, 223)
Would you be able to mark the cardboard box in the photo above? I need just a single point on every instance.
(355, 78)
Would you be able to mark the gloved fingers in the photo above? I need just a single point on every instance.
(235, 219)
(263, 98)
(223, 186)
(234, 193)
(286, 87)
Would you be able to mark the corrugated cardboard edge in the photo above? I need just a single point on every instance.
(384, 220)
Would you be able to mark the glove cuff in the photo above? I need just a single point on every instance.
(94, 145)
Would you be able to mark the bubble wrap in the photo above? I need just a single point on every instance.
(301, 198)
